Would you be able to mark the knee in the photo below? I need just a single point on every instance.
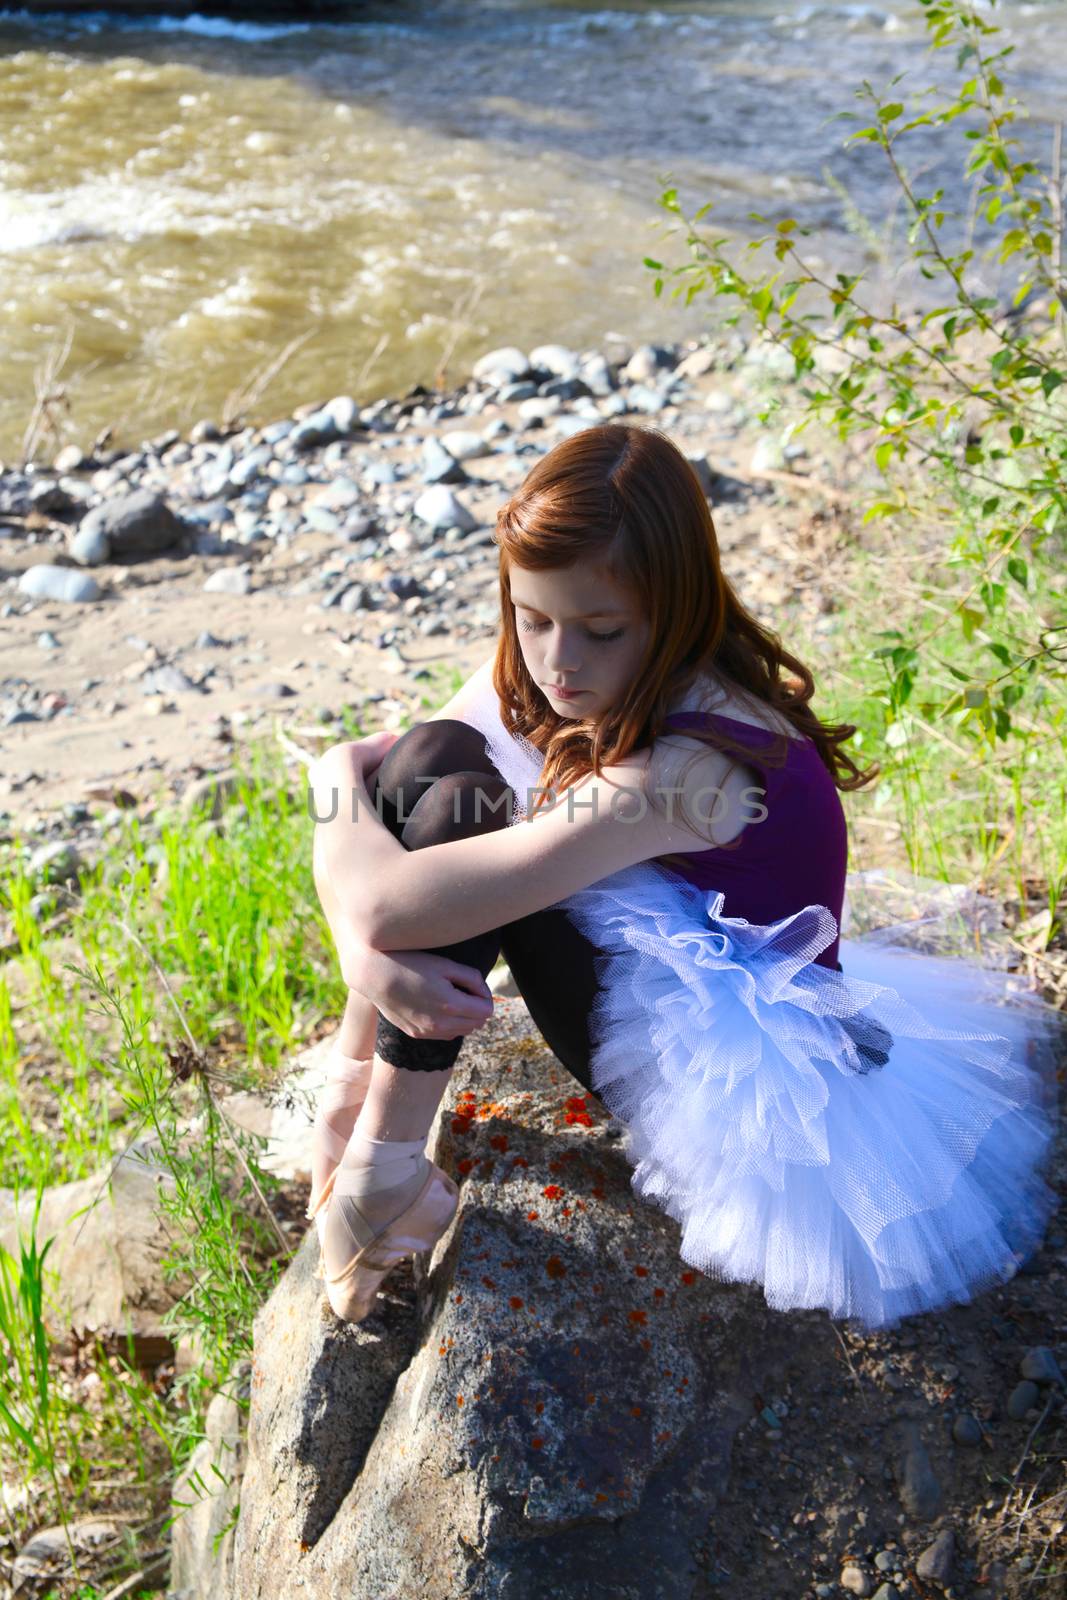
(456, 806)
(430, 750)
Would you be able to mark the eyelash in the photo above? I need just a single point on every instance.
(600, 638)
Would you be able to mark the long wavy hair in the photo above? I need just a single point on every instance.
(625, 496)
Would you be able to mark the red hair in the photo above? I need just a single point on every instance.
(626, 497)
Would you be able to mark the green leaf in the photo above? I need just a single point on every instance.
(1018, 569)
(890, 113)
(881, 508)
(1050, 382)
(970, 620)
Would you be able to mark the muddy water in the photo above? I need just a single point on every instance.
(186, 199)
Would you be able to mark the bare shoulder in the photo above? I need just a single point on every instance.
(475, 684)
(709, 788)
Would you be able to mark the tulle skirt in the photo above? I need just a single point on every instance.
(870, 1141)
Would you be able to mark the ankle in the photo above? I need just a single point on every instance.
(370, 1165)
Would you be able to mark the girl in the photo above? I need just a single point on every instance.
(850, 1123)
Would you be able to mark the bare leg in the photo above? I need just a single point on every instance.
(401, 1104)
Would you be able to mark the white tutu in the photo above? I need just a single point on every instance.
(869, 1141)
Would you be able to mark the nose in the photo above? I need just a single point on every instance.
(561, 652)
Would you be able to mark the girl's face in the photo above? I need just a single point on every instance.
(580, 631)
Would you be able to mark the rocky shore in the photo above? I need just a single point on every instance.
(161, 604)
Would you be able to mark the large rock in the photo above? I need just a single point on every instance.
(544, 1406)
(104, 1270)
(208, 1487)
(46, 581)
(439, 508)
(133, 526)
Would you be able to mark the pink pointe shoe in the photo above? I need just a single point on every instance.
(345, 1089)
(352, 1291)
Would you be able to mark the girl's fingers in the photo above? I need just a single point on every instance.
(474, 1010)
(470, 980)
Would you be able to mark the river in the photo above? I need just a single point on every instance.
(185, 198)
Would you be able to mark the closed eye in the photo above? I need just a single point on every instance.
(600, 638)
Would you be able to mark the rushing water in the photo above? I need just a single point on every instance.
(186, 197)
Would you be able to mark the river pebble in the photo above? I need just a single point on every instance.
(48, 582)
(503, 366)
(967, 1430)
(936, 1560)
(1040, 1366)
(1023, 1397)
(465, 445)
(920, 1492)
(556, 359)
(228, 580)
(59, 862)
(439, 508)
(439, 465)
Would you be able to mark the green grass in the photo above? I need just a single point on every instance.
(957, 809)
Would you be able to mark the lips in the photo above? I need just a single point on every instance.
(566, 694)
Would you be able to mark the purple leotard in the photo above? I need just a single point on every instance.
(797, 855)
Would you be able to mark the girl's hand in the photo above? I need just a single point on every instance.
(426, 996)
(367, 754)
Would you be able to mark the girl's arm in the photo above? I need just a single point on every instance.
(397, 899)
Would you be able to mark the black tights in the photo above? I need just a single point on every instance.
(553, 965)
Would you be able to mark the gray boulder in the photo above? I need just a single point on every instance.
(544, 1405)
(505, 365)
(48, 582)
(439, 508)
(105, 1268)
(133, 525)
